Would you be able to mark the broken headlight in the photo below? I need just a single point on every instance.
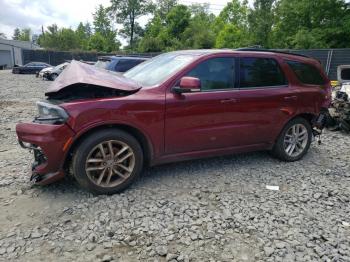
(50, 114)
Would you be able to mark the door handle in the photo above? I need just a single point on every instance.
(228, 100)
(290, 98)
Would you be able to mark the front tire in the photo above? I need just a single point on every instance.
(294, 140)
(107, 161)
(53, 77)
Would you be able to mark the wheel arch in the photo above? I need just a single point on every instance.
(307, 116)
(146, 145)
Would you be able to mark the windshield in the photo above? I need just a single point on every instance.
(60, 66)
(155, 71)
(102, 63)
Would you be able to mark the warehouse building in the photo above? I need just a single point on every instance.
(11, 52)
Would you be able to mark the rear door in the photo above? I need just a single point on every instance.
(267, 99)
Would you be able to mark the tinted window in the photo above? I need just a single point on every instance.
(307, 74)
(125, 65)
(260, 72)
(216, 73)
(345, 74)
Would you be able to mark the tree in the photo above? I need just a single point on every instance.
(261, 19)
(164, 7)
(199, 33)
(324, 21)
(82, 36)
(231, 36)
(16, 34)
(177, 21)
(22, 35)
(126, 12)
(103, 28)
(2, 35)
(232, 26)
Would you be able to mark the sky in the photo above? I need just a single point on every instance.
(67, 13)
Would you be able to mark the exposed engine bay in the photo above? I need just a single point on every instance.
(86, 91)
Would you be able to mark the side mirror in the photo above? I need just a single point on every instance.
(188, 85)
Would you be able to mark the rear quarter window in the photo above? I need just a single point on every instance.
(306, 73)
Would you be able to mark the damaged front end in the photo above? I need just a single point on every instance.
(50, 135)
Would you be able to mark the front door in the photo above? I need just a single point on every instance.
(204, 120)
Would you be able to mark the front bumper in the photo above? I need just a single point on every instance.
(50, 144)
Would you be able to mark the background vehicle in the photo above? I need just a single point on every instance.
(46, 69)
(118, 63)
(30, 68)
(55, 72)
(182, 105)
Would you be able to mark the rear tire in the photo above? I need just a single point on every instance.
(294, 140)
(99, 165)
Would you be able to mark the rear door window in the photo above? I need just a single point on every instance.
(260, 72)
(345, 74)
(215, 73)
(306, 73)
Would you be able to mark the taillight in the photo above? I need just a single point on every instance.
(327, 95)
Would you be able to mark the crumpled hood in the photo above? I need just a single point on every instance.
(81, 73)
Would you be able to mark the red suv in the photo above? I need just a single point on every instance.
(104, 127)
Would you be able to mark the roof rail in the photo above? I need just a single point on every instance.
(269, 50)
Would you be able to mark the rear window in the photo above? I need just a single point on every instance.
(125, 64)
(306, 73)
(345, 74)
(260, 72)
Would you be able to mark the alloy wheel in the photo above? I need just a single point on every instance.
(295, 140)
(110, 163)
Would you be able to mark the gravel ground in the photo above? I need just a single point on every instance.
(215, 209)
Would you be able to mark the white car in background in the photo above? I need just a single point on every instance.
(54, 72)
(43, 71)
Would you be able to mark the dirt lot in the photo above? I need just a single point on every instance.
(206, 210)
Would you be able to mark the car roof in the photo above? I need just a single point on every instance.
(247, 51)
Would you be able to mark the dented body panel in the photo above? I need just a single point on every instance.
(81, 73)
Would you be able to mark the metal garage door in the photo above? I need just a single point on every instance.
(5, 58)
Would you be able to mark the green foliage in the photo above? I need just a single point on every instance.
(231, 36)
(232, 26)
(22, 35)
(261, 20)
(126, 12)
(105, 37)
(183, 27)
(297, 24)
(60, 39)
(305, 24)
